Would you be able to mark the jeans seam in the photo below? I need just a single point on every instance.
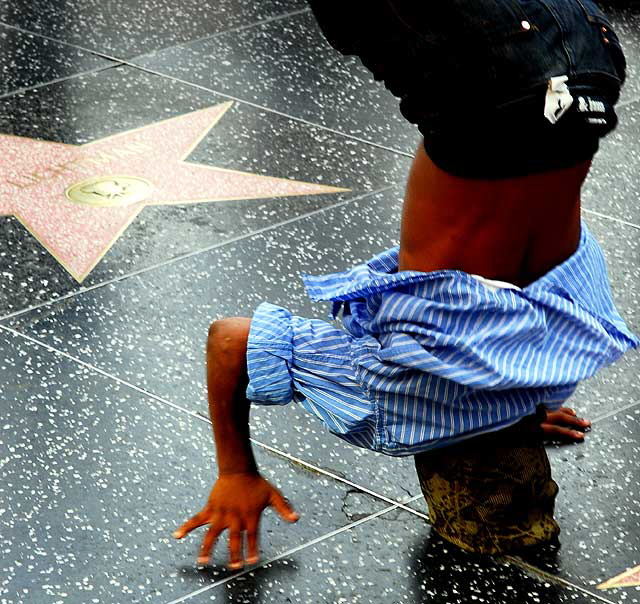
(562, 36)
(593, 17)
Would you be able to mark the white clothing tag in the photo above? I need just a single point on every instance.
(558, 98)
(494, 284)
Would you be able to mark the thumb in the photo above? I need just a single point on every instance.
(283, 508)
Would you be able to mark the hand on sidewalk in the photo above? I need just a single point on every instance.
(236, 503)
(564, 425)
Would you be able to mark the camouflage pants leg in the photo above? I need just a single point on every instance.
(491, 494)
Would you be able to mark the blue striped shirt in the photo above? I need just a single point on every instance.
(426, 359)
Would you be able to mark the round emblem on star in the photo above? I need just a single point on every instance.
(110, 191)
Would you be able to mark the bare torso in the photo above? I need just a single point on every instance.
(513, 230)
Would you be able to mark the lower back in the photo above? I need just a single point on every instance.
(513, 230)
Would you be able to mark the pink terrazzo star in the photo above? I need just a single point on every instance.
(629, 578)
(39, 183)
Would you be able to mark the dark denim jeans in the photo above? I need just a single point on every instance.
(474, 75)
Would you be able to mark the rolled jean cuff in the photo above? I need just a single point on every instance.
(269, 355)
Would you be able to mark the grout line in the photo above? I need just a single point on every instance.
(516, 561)
(106, 55)
(193, 253)
(288, 116)
(19, 91)
(601, 215)
(95, 369)
(97, 53)
(339, 478)
(200, 417)
(615, 412)
(289, 552)
(217, 34)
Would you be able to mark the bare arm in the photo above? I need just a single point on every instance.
(228, 406)
(240, 494)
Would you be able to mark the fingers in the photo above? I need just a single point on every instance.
(236, 538)
(567, 417)
(567, 410)
(252, 541)
(199, 519)
(209, 540)
(555, 432)
(282, 507)
(235, 545)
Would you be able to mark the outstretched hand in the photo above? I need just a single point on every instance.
(236, 503)
(564, 425)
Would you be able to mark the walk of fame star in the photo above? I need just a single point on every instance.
(629, 578)
(78, 199)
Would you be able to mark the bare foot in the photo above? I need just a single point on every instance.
(565, 426)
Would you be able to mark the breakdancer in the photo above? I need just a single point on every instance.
(461, 345)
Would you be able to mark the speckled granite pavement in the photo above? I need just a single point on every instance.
(277, 156)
